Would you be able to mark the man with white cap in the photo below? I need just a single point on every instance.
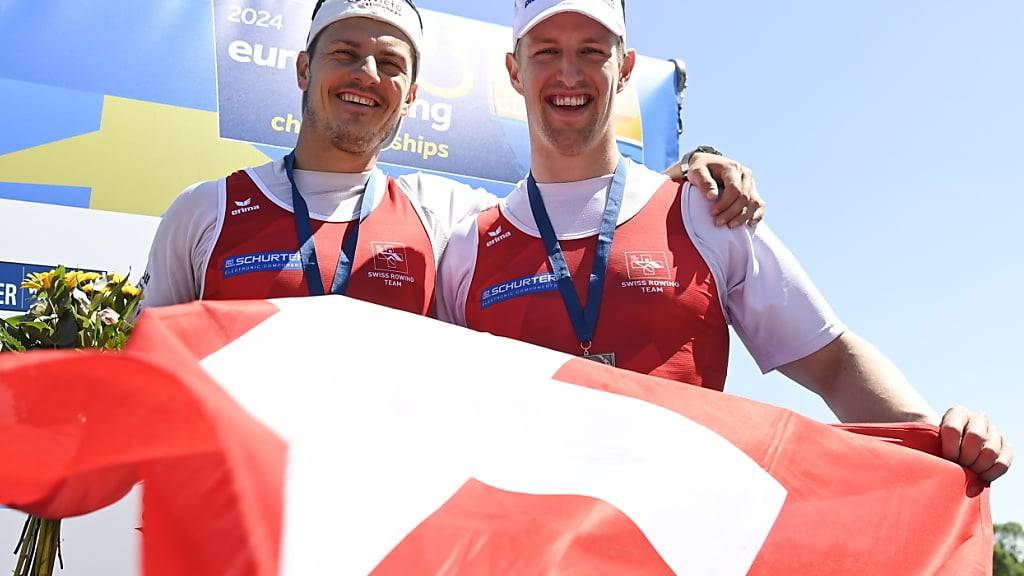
(597, 256)
(325, 219)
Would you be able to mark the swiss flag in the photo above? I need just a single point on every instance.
(328, 435)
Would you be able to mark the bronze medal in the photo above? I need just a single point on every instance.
(608, 359)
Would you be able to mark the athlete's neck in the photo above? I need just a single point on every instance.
(549, 165)
(320, 156)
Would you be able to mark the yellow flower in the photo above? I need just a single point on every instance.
(38, 281)
(71, 279)
(115, 278)
(77, 278)
(130, 290)
(87, 288)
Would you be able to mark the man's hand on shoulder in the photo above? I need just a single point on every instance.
(971, 441)
(730, 184)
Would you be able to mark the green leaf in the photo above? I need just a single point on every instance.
(129, 312)
(97, 301)
(57, 289)
(17, 320)
(36, 334)
(9, 341)
(113, 337)
(41, 326)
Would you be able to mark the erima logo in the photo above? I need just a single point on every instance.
(647, 265)
(244, 206)
(497, 236)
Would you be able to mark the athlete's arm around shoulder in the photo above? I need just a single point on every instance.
(766, 295)
(182, 245)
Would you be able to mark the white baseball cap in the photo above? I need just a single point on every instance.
(401, 14)
(528, 13)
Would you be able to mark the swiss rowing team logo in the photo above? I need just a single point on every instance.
(390, 257)
(651, 265)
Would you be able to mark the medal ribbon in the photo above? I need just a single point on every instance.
(304, 231)
(584, 320)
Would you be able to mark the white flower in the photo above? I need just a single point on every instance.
(108, 316)
(81, 297)
(37, 309)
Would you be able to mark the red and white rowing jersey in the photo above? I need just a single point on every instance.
(256, 253)
(235, 238)
(674, 281)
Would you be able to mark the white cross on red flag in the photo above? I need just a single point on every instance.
(327, 435)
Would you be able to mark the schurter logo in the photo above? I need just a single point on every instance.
(517, 287)
(243, 206)
(497, 236)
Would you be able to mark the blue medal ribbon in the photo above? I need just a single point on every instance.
(304, 231)
(584, 320)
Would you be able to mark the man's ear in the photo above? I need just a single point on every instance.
(626, 70)
(409, 99)
(513, 72)
(302, 70)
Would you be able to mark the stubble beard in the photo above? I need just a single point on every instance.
(349, 138)
(569, 141)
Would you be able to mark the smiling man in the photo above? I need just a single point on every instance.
(326, 219)
(597, 256)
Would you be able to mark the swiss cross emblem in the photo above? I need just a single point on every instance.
(647, 266)
(389, 257)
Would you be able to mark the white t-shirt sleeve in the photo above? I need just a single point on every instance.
(768, 298)
(455, 274)
(182, 246)
(444, 202)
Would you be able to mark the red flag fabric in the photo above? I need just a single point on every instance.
(329, 435)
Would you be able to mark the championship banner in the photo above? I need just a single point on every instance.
(157, 96)
(272, 445)
(467, 119)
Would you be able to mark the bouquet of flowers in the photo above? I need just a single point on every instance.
(71, 309)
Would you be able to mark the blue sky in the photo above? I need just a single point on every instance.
(885, 138)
